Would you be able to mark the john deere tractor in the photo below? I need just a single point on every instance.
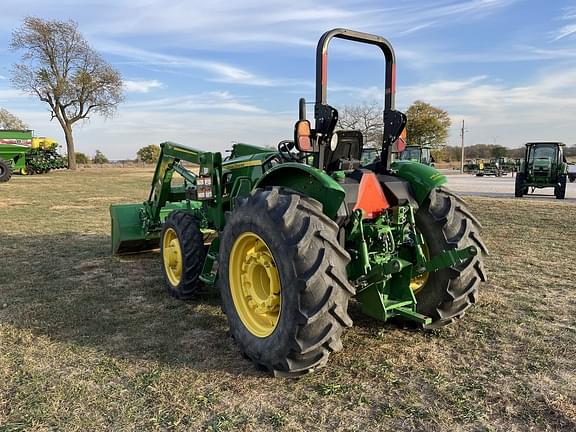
(416, 153)
(290, 236)
(544, 166)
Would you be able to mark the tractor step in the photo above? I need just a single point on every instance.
(413, 316)
(210, 268)
(391, 305)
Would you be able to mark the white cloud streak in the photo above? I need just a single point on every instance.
(197, 102)
(569, 14)
(141, 86)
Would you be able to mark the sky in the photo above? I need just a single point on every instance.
(207, 74)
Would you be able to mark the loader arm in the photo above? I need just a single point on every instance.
(162, 191)
(136, 227)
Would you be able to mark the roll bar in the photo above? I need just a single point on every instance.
(326, 117)
(340, 33)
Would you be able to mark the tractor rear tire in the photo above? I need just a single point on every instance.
(446, 223)
(183, 254)
(5, 171)
(519, 185)
(309, 267)
(560, 189)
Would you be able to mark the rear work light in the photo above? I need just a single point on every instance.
(204, 188)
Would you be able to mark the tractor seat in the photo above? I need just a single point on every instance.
(348, 154)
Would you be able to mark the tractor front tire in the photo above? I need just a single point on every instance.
(5, 171)
(519, 185)
(446, 223)
(283, 282)
(560, 189)
(183, 254)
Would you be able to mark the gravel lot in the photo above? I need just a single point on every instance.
(500, 187)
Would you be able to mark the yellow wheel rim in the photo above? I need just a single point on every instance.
(24, 171)
(418, 282)
(254, 284)
(172, 255)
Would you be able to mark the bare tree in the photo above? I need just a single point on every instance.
(59, 67)
(366, 118)
(10, 121)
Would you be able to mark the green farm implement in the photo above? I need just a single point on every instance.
(544, 165)
(290, 235)
(24, 154)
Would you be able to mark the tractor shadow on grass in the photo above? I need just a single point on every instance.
(69, 288)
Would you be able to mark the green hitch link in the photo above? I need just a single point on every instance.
(364, 258)
(418, 239)
(449, 258)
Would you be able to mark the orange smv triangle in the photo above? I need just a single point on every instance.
(371, 198)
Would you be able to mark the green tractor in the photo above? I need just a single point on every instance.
(544, 165)
(290, 236)
(416, 153)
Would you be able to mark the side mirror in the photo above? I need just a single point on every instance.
(303, 136)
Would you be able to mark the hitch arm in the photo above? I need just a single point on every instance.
(448, 258)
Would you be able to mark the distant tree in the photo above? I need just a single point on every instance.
(59, 67)
(499, 151)
(427, 125)
(454, 153)
(81, 158)
(366, 118)
(10, 121)
(478, 151)
(570, 150)
(149, 154)
(99, 158)
(440, 154)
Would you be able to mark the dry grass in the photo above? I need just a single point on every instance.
(92, 342)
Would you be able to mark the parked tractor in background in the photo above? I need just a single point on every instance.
(494, 167)
(416, 153)
(544, 165)
(572, 172)
(290, 236)
(22, 153)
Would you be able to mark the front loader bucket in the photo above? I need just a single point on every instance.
(128, 235)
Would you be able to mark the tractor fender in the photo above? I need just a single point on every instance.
(422, 178)
(308, 181)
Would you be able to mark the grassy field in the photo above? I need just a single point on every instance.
(92, 342)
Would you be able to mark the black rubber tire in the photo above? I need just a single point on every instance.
(5, 171)
(192, 246)
(312, 269)
(519, 185)
(572, 178)
(446, 223)
(560, 189)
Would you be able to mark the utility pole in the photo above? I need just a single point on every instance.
(462, 149)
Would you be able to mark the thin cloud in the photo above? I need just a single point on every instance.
(141, 86)
(12, 94)
(197, 102)
(222, 72)
(568, 14)
(565, 31)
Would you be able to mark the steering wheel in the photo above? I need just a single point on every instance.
(284, 148)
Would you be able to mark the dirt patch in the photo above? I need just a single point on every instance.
(7, 202)
(69, 207)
